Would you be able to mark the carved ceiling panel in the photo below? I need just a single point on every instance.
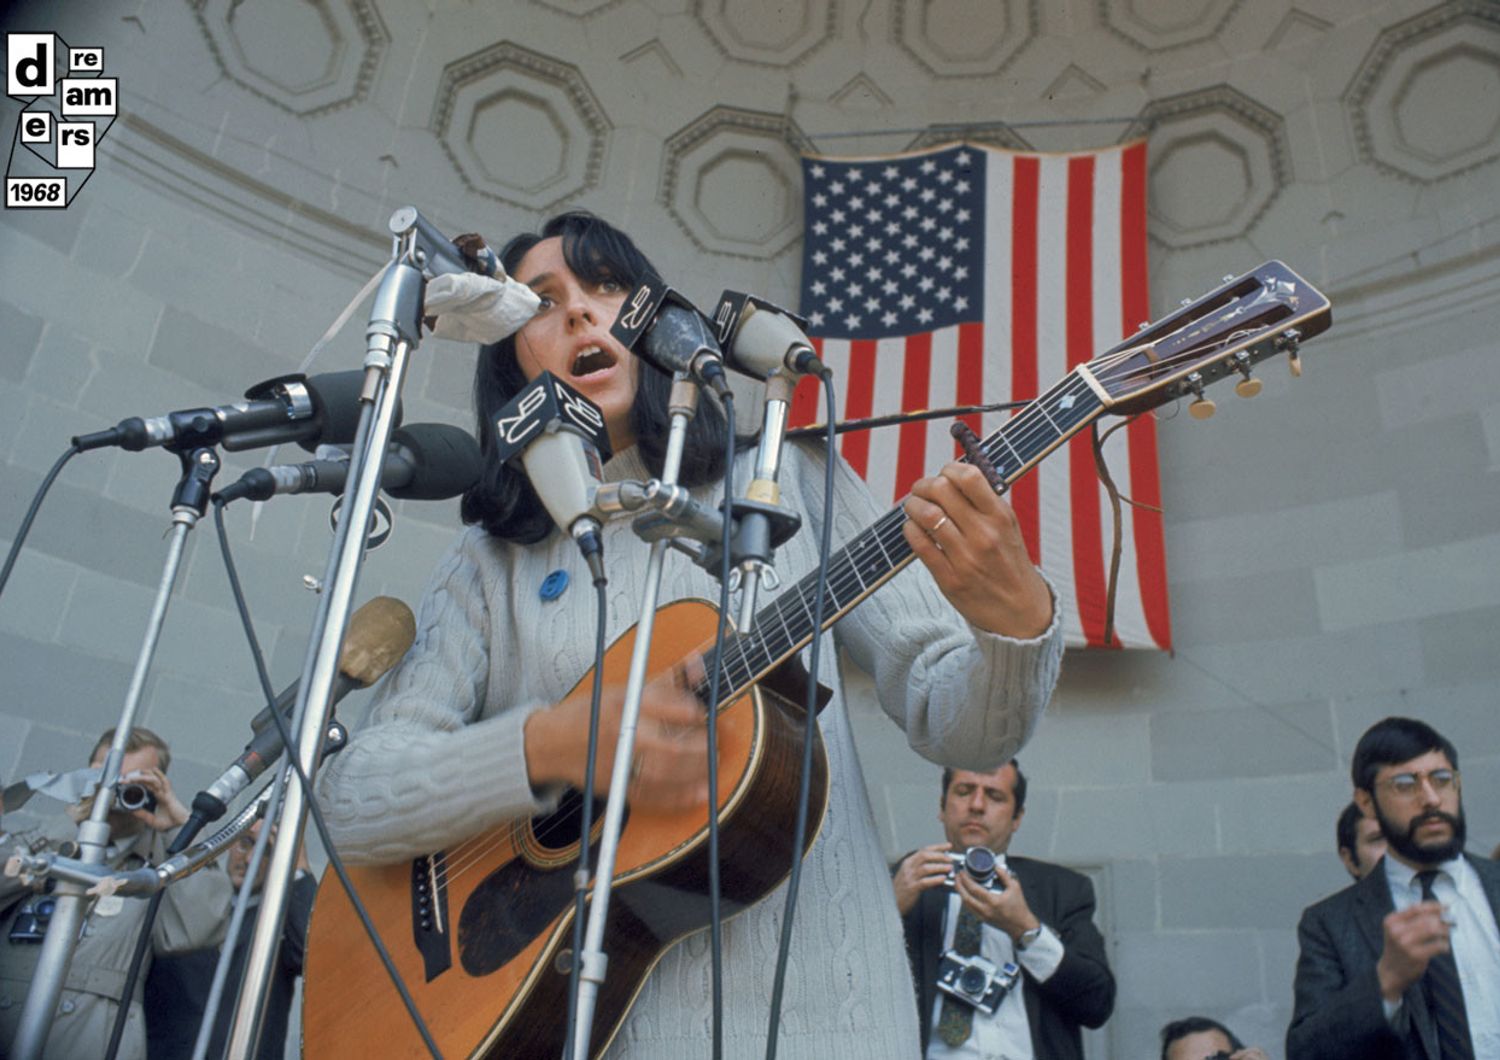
(1157, 24)
(732, 181)
(964, 38)
(1426, 102)
(778, 34)
(520, 127)
(1218, 159)
(305, 56)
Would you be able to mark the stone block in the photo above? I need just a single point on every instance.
(89, 530)
(46, 430)
(1415, 584)
(212, 356)
(58, 229)
(63, 366)
(1080, 747)
(202, 718)
(13, 732)
(1281, 814)
(1110, 823)
(1441, 512)
(1287, 538)
(23, 332)
(1462, 646)
(36, 596)
(67, 687)
(1264, 891)
(1366, 661)
(1256, 741)
(1443, 385)
(1133, 897)
(1243, 608)
(1187, 971)
(115, 239)
(107, 616)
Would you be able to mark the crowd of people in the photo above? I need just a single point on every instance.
(1000, 952)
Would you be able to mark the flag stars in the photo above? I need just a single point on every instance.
(924, 315)
(852, 321)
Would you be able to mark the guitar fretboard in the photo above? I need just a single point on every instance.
(879, 552)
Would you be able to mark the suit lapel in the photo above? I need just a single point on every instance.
(1489, 876)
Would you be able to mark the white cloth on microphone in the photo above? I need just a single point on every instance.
(474, 308)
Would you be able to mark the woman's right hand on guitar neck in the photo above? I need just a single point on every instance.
(670, 770)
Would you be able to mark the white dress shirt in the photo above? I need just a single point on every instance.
(1474, 936)
(1007, 1034)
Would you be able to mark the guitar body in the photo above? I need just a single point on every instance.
(482, 932)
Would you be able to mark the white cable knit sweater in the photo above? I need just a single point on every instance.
(440, 758)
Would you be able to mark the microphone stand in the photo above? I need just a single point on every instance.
(593, 962)
(189, 503)
(394, 329)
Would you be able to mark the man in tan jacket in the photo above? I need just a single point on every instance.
(193, 914)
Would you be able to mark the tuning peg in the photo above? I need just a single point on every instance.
(1290, 340)
(1202, 408)
(1186, 301)
(1249, 386)
(1227, 278)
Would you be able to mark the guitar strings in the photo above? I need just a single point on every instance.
(1030, 427)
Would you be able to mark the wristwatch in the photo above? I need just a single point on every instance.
(1028, 937)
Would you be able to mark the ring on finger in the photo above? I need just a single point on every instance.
(938, 525)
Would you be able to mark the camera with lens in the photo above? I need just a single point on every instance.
(979, 863)
(976, 981)
(30, 924)
(130, 797)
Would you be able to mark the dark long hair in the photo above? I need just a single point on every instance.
(503, 501)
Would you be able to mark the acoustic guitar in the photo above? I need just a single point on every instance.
(481, 931)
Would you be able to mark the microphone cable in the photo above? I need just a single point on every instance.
(586, 822)
(810, 722)
(36, 506)
(274, 808)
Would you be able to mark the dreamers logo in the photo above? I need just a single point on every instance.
(52, 154)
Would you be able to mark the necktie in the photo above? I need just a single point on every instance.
(1445, 995)
(956, 1019)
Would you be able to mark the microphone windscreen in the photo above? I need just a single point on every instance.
(380, 633)
(336, 403)
(446, 461)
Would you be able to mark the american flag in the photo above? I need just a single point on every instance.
(969, 275)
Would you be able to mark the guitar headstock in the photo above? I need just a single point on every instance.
(1228, 331)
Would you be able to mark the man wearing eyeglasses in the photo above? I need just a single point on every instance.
(1406, 962)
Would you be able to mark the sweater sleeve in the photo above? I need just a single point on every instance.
(427, 768)
(965, 697)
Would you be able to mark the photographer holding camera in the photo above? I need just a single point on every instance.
(194, 912)
(1005, 953)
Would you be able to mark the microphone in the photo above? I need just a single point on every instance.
(379, 633)
(425, 462)
(559, 437)
(440, 255)
(668, 333)
(289, 408)
(760, 339)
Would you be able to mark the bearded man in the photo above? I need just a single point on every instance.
(1405, 963)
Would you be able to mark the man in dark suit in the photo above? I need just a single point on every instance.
(1404, 963)
(177, 989)
(1041, 920)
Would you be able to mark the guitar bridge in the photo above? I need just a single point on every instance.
(429, 913)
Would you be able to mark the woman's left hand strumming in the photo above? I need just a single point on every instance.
(968, 538)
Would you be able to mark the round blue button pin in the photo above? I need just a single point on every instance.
(554, 584)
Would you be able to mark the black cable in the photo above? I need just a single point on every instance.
(715, 929)
(580, 904)
(334, 861)
(810, 731)
(36, 506)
